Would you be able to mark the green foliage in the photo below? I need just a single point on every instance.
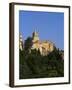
(28, 43)
(34, 65)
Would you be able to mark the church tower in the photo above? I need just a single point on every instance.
(35, 37)
(20, 42)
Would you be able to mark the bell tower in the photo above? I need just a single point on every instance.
(20, 42)
(35, 37)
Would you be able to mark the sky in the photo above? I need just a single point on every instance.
(49, 25)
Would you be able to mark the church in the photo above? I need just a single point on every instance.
(45, 46)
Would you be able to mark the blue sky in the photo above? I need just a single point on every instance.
(49, 25)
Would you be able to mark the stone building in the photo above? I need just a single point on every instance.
(44, 47)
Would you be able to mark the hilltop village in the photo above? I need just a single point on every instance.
(39, 58)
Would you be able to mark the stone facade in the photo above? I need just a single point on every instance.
(44, 47)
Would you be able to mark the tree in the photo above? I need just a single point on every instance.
(28, 43)
(34, 65)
